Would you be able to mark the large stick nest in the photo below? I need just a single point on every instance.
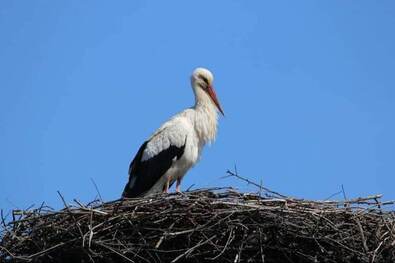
(204, 225)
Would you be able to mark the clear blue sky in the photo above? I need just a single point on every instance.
(308, 88)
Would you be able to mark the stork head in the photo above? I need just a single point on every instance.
(202, 83)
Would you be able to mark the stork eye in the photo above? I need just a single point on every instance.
(204, 79)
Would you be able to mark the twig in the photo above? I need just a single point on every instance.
(362, 235)
(71, 214)
(97, 190)
(47, 250)
(116, 252)
(234, 174)
(192, 248)
(344, 193)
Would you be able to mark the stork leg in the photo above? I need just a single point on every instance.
(178, 190)
(166, 186)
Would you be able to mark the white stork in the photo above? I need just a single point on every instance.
(176, 146)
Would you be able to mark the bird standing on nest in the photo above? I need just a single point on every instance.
(176, 146)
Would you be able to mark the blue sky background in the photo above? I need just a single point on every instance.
(308, 88)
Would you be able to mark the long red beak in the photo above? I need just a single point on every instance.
(213, 96)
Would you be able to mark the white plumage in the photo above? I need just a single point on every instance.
(176, 146)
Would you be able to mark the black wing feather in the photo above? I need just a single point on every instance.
(147, 173)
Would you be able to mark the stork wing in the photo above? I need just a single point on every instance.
(154, 158)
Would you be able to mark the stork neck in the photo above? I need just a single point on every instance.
(206, 118)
